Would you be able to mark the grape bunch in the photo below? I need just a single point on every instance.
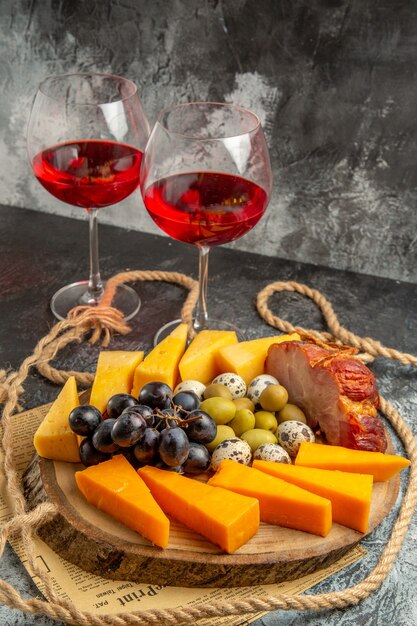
(159, 428)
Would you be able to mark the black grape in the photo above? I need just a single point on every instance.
(164, 419)
(186, 401)
(198, 459)
(173, 446)
(179, 469)
(84, 419)
(146, 449)
(147, 413)
(89, 455)
(157, 395)
(128, 428)
(200, 427)
(129, 455)
(102, 439)
(118, 403)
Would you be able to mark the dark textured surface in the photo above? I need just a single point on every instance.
(39, 253)
(333, 81)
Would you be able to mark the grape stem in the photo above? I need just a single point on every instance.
(181, 421)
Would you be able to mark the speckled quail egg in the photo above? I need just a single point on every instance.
(291, 435)
(191, 385)
(258, 384)
(234, 449)
(271, 452)
(233, 382)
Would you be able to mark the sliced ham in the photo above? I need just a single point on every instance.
(337, 392)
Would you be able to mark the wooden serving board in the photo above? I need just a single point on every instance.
(98, 544)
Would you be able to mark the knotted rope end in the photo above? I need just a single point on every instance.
(102, 320)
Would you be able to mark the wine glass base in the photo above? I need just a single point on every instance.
(126, 300)
(212, 324)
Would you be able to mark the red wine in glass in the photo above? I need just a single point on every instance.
(206, 180)
(205, 208)
(85, 138)
(89, 174)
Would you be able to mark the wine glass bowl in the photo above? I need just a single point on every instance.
(85, 139)
(206, 180)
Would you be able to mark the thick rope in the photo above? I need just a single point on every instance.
(337, 331)
(103, 321)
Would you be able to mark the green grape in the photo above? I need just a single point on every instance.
(266, 420)
(244, 403)
(222, 410)
(291, 412)
(217, 390)
(223, 432)
(257, 436)
(273, 398)
(243, 420)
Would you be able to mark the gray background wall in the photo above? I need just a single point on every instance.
(333, 81)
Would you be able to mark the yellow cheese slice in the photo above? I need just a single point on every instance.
(54, 439)
(381, 466)
(247, 358)
(349, 493)
(115, 488)
(199, 361)
(161, 364)
(225, 518)
(280, 502)
(114, 374)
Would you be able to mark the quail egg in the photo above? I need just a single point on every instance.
(291, 434)
(233, 382)
(257, 386)
(191, 385)
(272, 452)
(234, 449)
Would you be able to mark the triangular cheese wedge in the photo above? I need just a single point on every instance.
(350, 494)
(161, 364)
(199, 361)
(54, 438)
(381, 466)
(279, 502)
(115, 488)
(227, 519)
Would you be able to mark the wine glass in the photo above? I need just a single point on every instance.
(206, 180)
(85, 139)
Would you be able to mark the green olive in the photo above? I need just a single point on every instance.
(291, 412)
(266, 420)
(244, 403)
(243, 420)
(257, 436)
(222, 410)
(273, 398)
(217, 390)
(223, 432)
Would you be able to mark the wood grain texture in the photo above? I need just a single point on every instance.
(98, 544)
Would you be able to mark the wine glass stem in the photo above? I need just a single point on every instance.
(95, 285)
(201, 317)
